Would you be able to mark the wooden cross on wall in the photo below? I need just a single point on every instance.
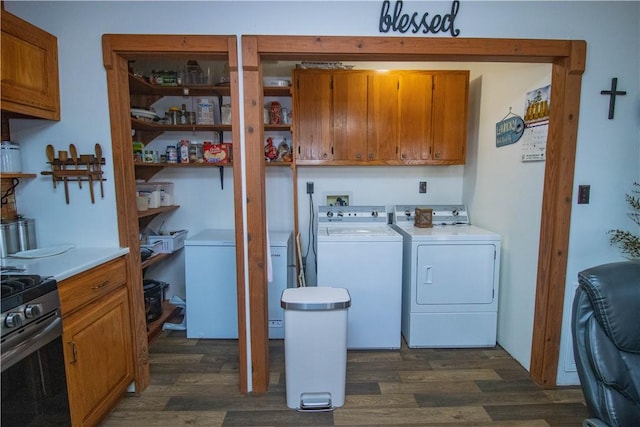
(612, 95)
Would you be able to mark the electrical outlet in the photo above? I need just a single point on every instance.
(423, 187)
(310, 187)
(583, 194)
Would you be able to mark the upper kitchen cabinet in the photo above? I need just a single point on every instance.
(330, 109)
(313, 115)
(30, 87)
(350, 116)
(449, 117)
(353, 117)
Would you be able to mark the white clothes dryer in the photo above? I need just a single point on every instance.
(450, 278)
(357, 250)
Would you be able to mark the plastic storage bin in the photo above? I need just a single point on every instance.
(315, 347)
(170, 243)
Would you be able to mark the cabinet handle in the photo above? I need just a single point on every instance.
(324, 155)
(371, 156)
(358, 156)
(437, 155)
(74, 349)
(101, 285)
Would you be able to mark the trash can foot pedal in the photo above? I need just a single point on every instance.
(315, 402)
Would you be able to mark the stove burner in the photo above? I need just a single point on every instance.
(18, 289)
(13, 284)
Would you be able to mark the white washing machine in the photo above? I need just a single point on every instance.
(450, 278)
(358, 251)
(211, 290)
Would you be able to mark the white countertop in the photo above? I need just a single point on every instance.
(72, 262)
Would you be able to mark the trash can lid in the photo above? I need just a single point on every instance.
(315, 298)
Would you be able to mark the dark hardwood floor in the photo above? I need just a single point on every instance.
(195, 383)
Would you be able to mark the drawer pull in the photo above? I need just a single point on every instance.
(101, 285)
(74, 349)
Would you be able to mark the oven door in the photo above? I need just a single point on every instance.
(34, 386)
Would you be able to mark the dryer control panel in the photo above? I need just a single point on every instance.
(442, 214)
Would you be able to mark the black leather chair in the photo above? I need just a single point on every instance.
(606, 343)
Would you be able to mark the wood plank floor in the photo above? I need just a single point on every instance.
(195, 383)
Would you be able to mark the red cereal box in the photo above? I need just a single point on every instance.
(216, 153)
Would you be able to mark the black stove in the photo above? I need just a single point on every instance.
(26, 298)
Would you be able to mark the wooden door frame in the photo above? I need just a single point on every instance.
(568, 59)
(116, 50)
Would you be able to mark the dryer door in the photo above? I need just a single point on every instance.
(455, 274)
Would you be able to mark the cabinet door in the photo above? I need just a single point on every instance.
(415, 115)
(29, 69)
(382, 141)
(350, 115)
(98, 357)
(312, 103)
(449, 118)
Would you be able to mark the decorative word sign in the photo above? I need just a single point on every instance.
(509, 130)
(416, 22)
(612, 95)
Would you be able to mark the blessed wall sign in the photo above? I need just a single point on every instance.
(417, 22)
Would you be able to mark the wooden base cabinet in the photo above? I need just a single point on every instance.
(97, 342)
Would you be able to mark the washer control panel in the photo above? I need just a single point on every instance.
(367, 214)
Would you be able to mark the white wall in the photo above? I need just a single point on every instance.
(608, 152)
(505, 195)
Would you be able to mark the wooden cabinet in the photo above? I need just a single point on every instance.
(383, 109)
(380, 118)
(449, 117)
(313, 115)
(29, 85)
(330, 110)
(350, 115)
(97, 340)
(415, 97)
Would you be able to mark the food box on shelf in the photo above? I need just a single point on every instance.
(216, 153)
(170, 243)
(159, 193)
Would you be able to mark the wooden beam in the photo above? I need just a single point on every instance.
(256, 213)
(556, 216)
(125, 193)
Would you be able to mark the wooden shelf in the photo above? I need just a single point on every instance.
(156, 211)
(169, 311)
(154, 259)
(274, 164)
(17, 175)
(144, 125)
(145, 171)
(140, 86)
(277, 91)
(277, 127)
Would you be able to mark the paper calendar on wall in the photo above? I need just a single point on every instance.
(536, 119)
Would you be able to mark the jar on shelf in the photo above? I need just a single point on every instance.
(183, 151)
(172, 154)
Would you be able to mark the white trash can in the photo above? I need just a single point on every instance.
(315, 347)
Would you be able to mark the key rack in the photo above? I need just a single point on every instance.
(71, 167)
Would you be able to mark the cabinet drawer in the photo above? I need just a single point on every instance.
(85, 287)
